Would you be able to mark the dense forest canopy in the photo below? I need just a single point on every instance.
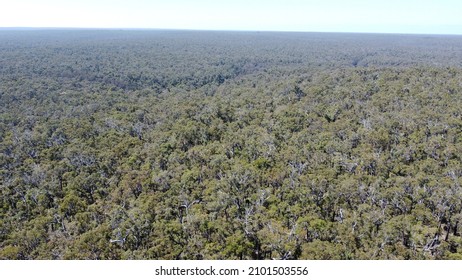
(125, 144)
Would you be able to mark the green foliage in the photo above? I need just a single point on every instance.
(198, 145)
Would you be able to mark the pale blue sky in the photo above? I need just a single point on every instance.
(387, 16)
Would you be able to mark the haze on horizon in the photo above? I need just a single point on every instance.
(392, 16)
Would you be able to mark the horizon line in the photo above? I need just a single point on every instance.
(27, 28)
